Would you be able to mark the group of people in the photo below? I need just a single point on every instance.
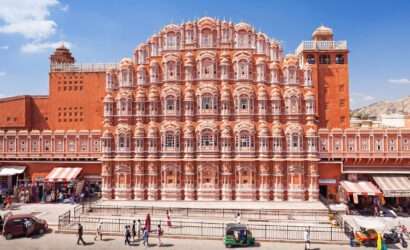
(6, 202)
(131, 232)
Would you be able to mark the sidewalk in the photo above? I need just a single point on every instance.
(274, 205)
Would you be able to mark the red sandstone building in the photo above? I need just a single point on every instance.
(206, 110)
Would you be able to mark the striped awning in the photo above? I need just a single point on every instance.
(393, 185)
(62, 174)
(360, 188)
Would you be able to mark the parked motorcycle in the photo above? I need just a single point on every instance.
(392, 237)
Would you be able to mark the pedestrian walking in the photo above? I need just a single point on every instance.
(159, 234)
(145, 236)
(80, 234)
(127, 235)
(306, 237)
(139, 228)
(98, 232)
(169, 224)
(134, 230)
(238, 218)
(148, 223)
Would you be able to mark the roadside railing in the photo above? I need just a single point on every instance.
(64, 220)
(213, 230)
(249, 214)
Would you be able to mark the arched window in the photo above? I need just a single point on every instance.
(154, 49)
(171, 41)
(260, 71)
(171, 70)
(243, 102)
(126, 78)
(324, 59)
(291, 75)
(294, 105)
(109, 81)
(310, 59)
(141, 76)
(225, 35)
(154, 73)
(340, 59)
(207, 138)
(294, 142)
(275, 107)
(243, 39)
(123, 142)
(169, 139)
(243, 69)
(108, 109)
(206, 38)
(207, 71)
(189, 36)
(260, 47)
(309, 106)
(308, 77)
(245, 140)
(207, 101)
(170, 103)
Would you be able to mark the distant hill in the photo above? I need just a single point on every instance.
(376, 109)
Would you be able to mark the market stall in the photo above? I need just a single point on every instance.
(63, 185)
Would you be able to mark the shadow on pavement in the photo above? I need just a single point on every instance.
(108, 239)
(166, 245)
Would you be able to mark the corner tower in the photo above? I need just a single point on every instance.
(330, 76)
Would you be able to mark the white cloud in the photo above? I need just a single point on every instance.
(38, 47)
(28, 18)
(363, 97)
(4, 47)
(3, 73)
(358, 99)
(65, 8)
(399, 81)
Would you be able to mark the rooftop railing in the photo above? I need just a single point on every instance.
(321, 45)
(90, 67)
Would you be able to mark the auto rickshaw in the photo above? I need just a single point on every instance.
(238, 235)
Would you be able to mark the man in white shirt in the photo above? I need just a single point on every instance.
(306, 237)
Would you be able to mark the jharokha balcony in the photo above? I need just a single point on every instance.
(47, 144)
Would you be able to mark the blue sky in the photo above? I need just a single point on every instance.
(378, 35)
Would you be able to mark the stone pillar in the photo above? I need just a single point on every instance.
(153, 179)
(106, 176)
(312, 176)
(189, 181)
(264, 174)
(278, 185)
(226, 181)
(139, 181)
(296, 187)
(171, 187)
(245, 181)
(122, 176)
(208, 181)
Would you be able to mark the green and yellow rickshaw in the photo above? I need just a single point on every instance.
(238, 235)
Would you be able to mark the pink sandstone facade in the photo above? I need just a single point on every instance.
(211, 110)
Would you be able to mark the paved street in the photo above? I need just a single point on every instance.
(46, 211)
(66, 241)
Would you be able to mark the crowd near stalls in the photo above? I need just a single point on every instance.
(373, 195)
(65, 185)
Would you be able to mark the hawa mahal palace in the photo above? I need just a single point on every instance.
(205, 110)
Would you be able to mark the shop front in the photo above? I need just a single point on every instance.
(10, 176)
(362, 197)
(63, 185)
(396, 192)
